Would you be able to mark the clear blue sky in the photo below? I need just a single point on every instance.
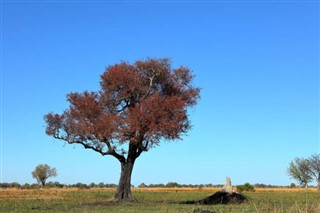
(256, 62)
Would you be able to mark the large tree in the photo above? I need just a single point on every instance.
(138, 106)
(42, 172)
(300, 170)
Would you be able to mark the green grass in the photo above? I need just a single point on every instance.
(155, 201)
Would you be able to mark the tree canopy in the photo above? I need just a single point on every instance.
(140, 103)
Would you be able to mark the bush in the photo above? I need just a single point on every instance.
(26, 186)
(142, 185)
(101, 185)
(55, 184)
(172, 185)
(246, 187)
(293, 185)
(81, 186)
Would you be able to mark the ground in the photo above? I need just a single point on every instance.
(153, 200)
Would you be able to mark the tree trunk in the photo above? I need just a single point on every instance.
(318, 184)
(124, 187)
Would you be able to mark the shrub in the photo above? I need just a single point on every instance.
(172, 185)
(81, 186)
(142, 185)
(55, 184)
(246, 187)
(293, 185)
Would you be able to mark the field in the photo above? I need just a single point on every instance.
(153, 200)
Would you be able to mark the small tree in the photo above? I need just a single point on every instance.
(42, 172)
(300, 170)
(314, 162)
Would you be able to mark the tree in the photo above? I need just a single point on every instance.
(299, 169)
(42, 172)
(314, 162)
(138, 106)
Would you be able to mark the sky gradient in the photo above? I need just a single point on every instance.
(256, 62)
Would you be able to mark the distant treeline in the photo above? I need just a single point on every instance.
(142, 185)
(56, 185)
(177, 185)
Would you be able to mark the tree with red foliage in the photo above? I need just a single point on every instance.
(137, 107)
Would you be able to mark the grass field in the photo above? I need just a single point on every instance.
(153, 200)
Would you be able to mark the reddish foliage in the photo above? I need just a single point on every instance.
(138, 103)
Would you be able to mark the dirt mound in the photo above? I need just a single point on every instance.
(221, 197)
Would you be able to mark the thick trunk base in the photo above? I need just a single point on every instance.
(123, 195)
(123, 192)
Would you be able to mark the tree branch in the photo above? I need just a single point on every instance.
(86, 146)
(111, 151)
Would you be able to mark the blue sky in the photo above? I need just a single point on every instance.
(256, 62)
